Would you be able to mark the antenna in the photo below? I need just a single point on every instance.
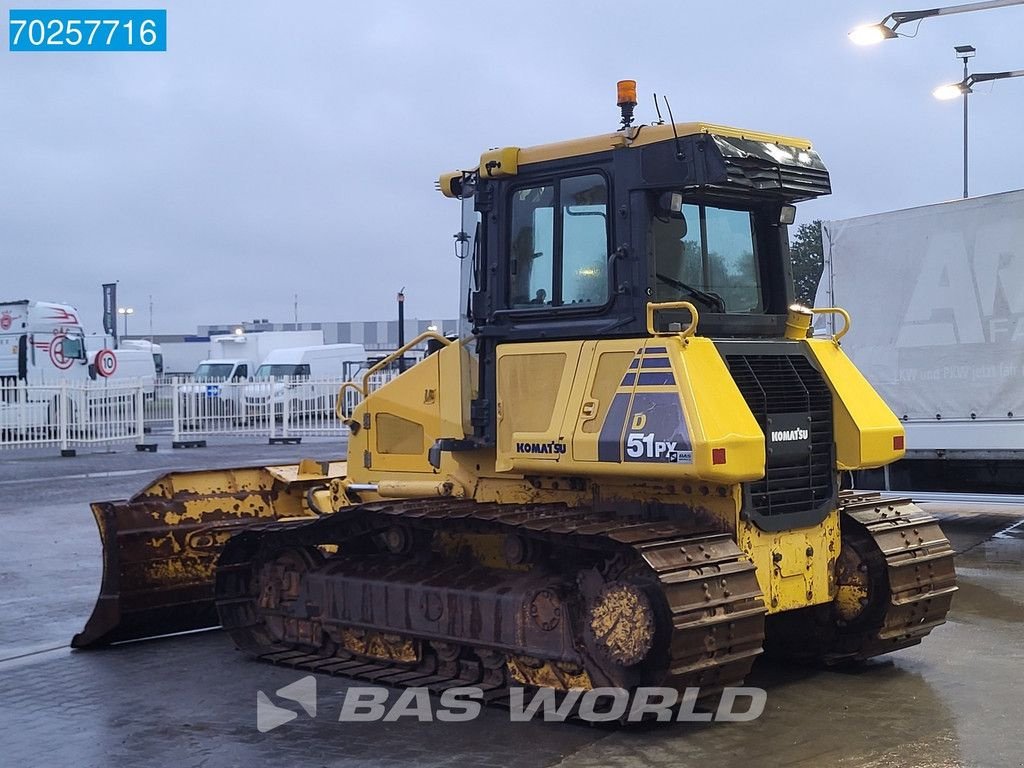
(661, 120)
(675, 134)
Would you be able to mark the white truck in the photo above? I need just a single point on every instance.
(306, 378)
(217, 390)
(44, 351)
(937, 299)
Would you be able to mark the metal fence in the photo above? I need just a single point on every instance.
(282, 410)
(72, 415)
(184, 410)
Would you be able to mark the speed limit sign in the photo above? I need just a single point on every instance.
(106, 362)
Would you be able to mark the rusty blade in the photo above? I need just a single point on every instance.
(160, 547)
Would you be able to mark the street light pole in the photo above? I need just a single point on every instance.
(887, 28)
(965, 86)
(125, 311)
(965, 52)
(401, 328)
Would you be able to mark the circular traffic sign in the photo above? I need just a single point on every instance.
(106, 362)
(57, 357)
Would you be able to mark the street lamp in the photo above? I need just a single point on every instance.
(886, 29)
(965, 87)
(126, 311)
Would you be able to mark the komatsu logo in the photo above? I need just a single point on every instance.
(552, 447)
(789, 435)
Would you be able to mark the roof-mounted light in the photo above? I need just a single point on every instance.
(625, 96)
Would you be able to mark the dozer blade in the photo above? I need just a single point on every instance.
(160, 547)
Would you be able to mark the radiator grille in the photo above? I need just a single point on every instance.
(774, 385)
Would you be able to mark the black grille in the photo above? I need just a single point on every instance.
(795, 182)
(784, 386)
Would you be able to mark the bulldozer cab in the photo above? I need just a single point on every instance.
(575, 240)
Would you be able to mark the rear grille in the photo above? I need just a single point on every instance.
(788, 387)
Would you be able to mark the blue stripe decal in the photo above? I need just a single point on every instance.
(656, 379)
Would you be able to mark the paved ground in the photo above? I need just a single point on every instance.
(190, 700)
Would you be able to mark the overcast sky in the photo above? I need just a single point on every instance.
(291, 147)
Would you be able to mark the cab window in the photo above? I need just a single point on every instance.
(559, 243)
(706, 254)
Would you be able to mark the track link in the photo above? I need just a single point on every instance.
(708, 611)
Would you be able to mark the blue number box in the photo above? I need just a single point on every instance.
(87, 30)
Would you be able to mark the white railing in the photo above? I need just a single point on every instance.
(100, 413)
(274, 408)
(280, 409)
(71, 414)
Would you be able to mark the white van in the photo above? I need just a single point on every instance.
(308, 378)
(151, 348)
(215, 391)
(133, 366)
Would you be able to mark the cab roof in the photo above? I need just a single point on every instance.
(649, 134)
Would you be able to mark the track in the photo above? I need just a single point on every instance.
(581, 599)
(896, 571)
(589, 599)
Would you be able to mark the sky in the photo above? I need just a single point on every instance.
(283, 148)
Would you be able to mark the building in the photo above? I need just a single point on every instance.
(373, 335)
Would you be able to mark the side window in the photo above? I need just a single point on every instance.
(242, 372)
(532, 254)
(302, 370)
(558, 253)
(584, 203)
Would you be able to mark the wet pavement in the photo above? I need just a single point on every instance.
(190, 700)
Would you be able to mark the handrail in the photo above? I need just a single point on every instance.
(835, 311)
(363, 389)
(339, 403)
(657, 306)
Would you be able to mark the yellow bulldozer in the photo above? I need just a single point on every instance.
(626, 471)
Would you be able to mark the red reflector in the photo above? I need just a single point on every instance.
(718, 455)
(897, 443)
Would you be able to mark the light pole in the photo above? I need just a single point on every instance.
(869, 34)
(401, 328)
(125, 311)
(965, 87)
(965, 52)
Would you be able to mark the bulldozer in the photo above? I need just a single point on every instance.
(627, 470)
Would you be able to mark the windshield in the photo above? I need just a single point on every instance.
(214, 371)
(281, 371)
(706, 254)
